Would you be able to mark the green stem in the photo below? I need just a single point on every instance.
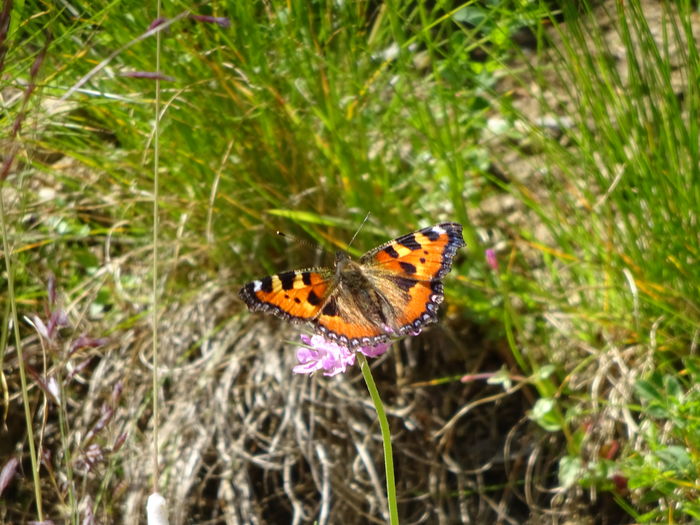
(386, 439)
(7, 250)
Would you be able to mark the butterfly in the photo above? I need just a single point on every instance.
(393, 290)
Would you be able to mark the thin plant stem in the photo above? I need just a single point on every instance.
(156, 166)
(64, 431)
(20, 360)
(386, 439)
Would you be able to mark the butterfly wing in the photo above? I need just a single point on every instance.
(408, 272)
(425, 255)
(296, 296)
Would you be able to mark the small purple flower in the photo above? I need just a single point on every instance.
(157, 22)
(58, 319)
(84, 341)
(150, 75)
(220, 20)
(491, 259)
(322, 354)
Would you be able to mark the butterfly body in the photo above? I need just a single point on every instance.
(391, 291)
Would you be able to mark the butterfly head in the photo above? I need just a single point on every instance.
(341, 260)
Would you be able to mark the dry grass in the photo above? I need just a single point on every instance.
(243, 440)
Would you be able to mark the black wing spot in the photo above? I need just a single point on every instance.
(266, 284)
(331, 309)
(287, 280)
(422, 260)
(408, 267)
(404, 283)
(306, 278)
(410, 242)
(313, 298)
(431, 234)
(297, 300)
(389, 250)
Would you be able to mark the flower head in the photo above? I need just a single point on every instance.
(319, 353)
(491, 259)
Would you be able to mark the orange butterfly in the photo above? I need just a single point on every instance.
(392, 290)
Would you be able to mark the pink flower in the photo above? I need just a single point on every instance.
(491, 259)
(322, 354)
(376, 350)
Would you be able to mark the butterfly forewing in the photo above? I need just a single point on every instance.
(424, 255)
(296, 295)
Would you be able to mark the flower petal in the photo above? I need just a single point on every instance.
(322, 354)
(376, 350)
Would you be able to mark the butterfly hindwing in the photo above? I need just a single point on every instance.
(343, 319)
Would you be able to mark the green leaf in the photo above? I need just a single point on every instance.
(570, 471)
(647, 391)
(545, 414)
(676, 458)
(502, 377)
(544, 372)
(470, 15)
(673, 386)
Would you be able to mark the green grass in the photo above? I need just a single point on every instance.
(622, 212)
(303, 118)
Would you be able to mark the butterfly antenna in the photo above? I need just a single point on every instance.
(301, 242)
(359, 229)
